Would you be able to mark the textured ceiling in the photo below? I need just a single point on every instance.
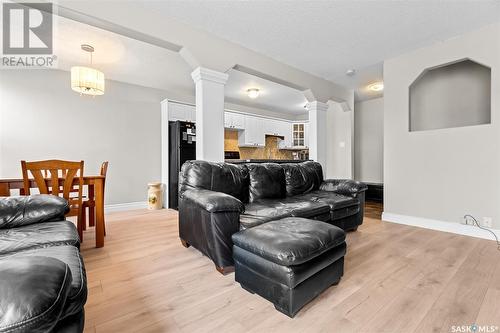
(327, 38)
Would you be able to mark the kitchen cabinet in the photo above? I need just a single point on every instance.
(300, 135)
(306, 134)
(285, 130)
(234, 120)
(271, 127)
(182, 112)
(253, 134)
(277, 127)
(252, 129)
(280, 128)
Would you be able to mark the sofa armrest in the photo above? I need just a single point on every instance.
(213, 202)
(343, 186)
(24, 210)
(207, 220)
(33, 293)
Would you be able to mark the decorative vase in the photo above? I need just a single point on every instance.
(155, 197)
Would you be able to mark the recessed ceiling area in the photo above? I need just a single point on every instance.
(121, 58)
(131, 61)
(327, 38)
(272, 96)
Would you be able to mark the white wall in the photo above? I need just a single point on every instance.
(43, 118)
(369, 140)
(442, 174)
(340, 142)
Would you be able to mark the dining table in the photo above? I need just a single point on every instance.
(95, 192)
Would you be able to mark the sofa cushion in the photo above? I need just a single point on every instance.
(263, 211)
(24, 210)
(267, 181)
(38, 235)
(334, 200)
(219, 177)
(290, 241)
(312, 172)
(34, 291)
(69, 255)
(297, 181)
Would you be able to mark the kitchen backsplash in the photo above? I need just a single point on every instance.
(270, 151)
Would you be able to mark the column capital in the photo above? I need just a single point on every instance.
(202, 74)
(320, 106)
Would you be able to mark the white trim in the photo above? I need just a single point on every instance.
(315, 105)
(206, 74)
(125, 206)
(164, 150)
(455, 228)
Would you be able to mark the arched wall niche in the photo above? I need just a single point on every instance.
(455, 94)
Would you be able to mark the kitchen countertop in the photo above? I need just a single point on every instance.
(262, 161)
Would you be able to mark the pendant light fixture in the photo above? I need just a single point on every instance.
(87, 80)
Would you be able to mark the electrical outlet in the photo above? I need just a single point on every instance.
(487, 222)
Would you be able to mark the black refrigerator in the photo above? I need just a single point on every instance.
(181, 148)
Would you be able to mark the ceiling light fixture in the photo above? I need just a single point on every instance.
(87, 80)
(377, 86)
(350, 72)
(253, 93)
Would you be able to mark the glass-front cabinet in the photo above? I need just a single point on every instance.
(298, 134)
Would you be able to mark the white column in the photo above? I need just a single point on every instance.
(318, 132)
(209, 113)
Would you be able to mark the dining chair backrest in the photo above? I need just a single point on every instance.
(56, 177)
(104, 168)
(104, 171)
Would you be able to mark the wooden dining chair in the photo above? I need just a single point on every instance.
(89, 204)
(56, 177)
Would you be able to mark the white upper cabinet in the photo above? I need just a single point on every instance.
(271, 127)
(285, 130)
(300, 134)
(306, 134)
(181, 112)
(253, 135)
(234, 120)
(252, 129)
(279, 128)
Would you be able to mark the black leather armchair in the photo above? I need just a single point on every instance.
(217, 200)
(42, 276)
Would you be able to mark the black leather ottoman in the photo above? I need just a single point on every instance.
(289, 261)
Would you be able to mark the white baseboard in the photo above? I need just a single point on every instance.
(456, 228)
(125, 206)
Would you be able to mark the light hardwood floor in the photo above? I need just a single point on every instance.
(397, 279)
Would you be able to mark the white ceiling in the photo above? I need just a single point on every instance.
(272, 96)
(132, 61)
(122, 58)
(327, 38)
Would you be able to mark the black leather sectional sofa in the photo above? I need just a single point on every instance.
(42, 277)
(217, 200)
